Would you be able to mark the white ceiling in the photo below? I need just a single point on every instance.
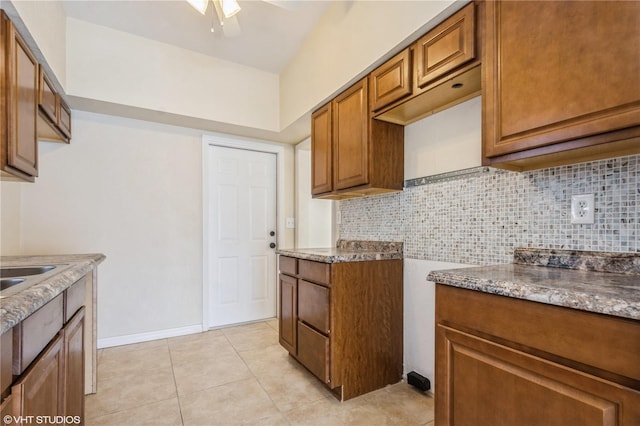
(270, 34)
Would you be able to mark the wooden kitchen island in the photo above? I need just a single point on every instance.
(341, 314)
(551, 339)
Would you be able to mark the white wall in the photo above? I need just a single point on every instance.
(443, 142)
(348, 40)
(10, 201)
(447, 141)
(130, 190)
(120, 68)
(313, 216)
(46, 21)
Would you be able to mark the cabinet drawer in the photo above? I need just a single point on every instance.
(315, 271)
(288, 265)
(313, 305)
(74, 298)
(313, 351)
(33, 334)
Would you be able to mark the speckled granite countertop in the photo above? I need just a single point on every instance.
(601, 282)
(16, 307)
(348, 251)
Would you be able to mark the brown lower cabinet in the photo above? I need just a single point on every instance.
(343, 321)
(48, 362)
(505, 361)
(39, 391)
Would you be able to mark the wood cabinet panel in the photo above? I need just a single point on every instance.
(19, 104)
(47, 97)
(74, 298)
(317, 272)
(349, 331)
(288, 265)
(39, 391)
(513, 387)
(6, 409)
(542, 88)
(73, 393)
(64, 119)
(313, 305)
(350, 115)
(446, 47)
(391, 81)
(499, 359)
(6, 362)
(313, 352)
(34, 333)
(288, 313)
(321, 151)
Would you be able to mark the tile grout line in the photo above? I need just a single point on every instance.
(175, 383)
(254, 374)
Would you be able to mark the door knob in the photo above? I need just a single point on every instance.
(272, 245)
(272, 233)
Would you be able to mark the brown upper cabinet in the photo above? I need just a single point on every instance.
(55, 123)
(445, 48)
(438, 71)
(561, 82)
(18, 105)
(30, 107)
(351, 154)
(391, 81)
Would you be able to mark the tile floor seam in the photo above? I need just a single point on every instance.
(175, 383)
(257, 379)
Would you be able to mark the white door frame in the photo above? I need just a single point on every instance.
(228, 141)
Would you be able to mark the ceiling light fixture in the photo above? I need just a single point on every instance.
(199, 5)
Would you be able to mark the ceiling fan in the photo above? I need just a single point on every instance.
(223, 13)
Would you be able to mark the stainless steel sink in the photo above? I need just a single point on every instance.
(5, 283)
(24, 271)
(15, 279)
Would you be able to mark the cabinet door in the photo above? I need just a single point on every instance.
(288, 313)
(351, 137)
(391, 81)
(47, 97)
(6, 411)
(321, 151)
(562, 72)
(446, 47)
(39, 391)
(19, 70)
(485, 383)
(64, 119)
(74, 366)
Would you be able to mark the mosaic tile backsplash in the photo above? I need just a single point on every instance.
(481, 219)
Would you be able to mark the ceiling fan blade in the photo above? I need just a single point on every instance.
(284, 4)
(231, 27)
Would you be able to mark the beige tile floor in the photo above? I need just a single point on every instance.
(233, 376)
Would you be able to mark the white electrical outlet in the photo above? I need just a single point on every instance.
(582, 208)
(291, 223)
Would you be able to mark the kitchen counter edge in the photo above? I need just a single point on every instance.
(17, 307)
(339, 255)
(607, 293)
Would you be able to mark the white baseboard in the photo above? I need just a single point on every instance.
(145, 337)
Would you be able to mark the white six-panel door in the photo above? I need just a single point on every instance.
(242, 217)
